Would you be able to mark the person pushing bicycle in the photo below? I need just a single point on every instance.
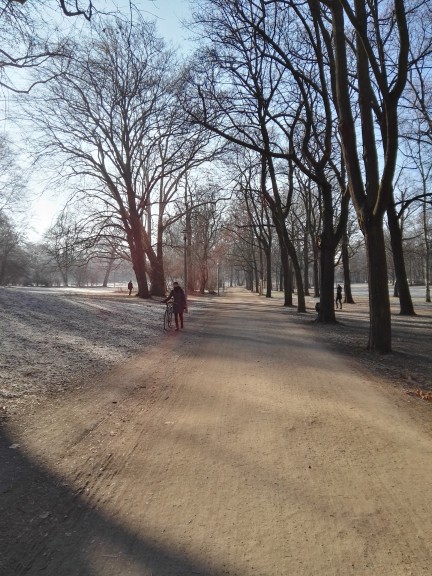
(178, 297)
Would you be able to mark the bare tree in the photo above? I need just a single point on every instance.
(13, 191)
(380, 48)
(112, 119)
(206, 223)
(30, 37)
(63, 244)
(417, 133)
(71, 7)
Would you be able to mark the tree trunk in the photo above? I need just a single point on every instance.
(188, 232)
(348, 298)
(427, 253)
(328, 243)
(379, 300)
(269, 287)
(301, 304)
(316, 271)
(108, 272)
(139, 266)
(405, 300)
(157, 273)
(249, 279)
(261, 271)
(135, 241)
(286, 277)
(203, 278)
(306, 262)
(157, 278)
(326, 312)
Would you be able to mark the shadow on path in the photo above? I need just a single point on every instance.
(47, 529)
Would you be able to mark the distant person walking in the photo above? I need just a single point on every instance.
(339, 296)
(179, 299)
(130, 287)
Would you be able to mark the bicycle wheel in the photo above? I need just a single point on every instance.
(167, 322)
(170, 316)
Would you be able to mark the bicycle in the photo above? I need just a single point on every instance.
(168, 315)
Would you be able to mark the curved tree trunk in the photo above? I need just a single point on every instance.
(405, 300)
(108, 272)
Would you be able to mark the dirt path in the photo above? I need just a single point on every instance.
(240, 448)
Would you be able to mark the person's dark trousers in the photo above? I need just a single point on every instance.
(176, 318)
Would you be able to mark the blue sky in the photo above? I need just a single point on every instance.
(169, 14)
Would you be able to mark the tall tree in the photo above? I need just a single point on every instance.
(380, 49)
(112, 119)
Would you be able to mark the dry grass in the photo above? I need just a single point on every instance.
(409, 364)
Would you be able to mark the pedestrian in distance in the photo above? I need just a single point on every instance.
(339, 296)
(130, 287)
(178, 297)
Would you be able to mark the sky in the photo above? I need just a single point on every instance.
(168, 15)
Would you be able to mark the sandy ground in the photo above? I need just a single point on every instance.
(242, 446)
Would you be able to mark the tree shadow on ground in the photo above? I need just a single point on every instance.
(46, 528)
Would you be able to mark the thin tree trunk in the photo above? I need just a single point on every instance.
(269, 287)
(348, 297)
(306, 262)
(286, 277)
(427, 253)
(316, 270)
(405, 300)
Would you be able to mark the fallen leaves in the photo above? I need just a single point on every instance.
(421, 394)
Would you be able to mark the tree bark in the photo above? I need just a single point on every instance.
(269, 286)
(379, 299)
(327, 257)
(135, 241)
(348, 297)
(405, 300)
(108, 272)
(286, 277)
(306, 259)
